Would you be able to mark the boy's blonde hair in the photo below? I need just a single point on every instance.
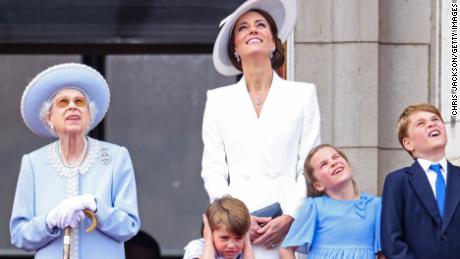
(309, 171)
(403, 123)
(231, 213)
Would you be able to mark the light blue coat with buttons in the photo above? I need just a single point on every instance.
(106, 173)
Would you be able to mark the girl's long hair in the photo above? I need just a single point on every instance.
(309, 172)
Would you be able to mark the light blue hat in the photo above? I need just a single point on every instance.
(50, 81)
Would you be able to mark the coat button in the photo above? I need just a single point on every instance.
(444, 236)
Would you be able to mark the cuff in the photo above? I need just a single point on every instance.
(46, 230)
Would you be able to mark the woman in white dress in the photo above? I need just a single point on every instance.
(257, 132)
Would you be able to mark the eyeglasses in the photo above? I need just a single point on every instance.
(65, 101)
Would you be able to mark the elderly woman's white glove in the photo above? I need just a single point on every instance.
(70, 211)
(53, 221)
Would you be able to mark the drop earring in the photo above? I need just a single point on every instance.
(237, 56)
(272, 53)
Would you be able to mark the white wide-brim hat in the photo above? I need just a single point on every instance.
(50, 81)
(284, 12)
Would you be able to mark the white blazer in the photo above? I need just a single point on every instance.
(260, 160)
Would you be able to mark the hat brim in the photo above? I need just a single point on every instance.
(283, 12)
(52, 80)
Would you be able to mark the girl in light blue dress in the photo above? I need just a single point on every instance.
(335, 221)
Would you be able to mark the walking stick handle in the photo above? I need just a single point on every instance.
(90, 214)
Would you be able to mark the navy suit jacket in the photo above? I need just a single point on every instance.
(411, 225)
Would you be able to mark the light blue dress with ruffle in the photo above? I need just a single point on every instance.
(329, 228)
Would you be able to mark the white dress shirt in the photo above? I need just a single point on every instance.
(432, 175)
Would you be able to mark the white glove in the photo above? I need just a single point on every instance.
(53, 219)
(70, 211)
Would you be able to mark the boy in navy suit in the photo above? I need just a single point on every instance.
(420, 212)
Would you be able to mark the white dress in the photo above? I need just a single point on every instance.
(260, 160)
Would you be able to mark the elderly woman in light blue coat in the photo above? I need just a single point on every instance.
(74, 173)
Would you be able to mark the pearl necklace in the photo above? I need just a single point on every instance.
(88, 159)
(80, 157)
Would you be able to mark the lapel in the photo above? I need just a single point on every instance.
(245, 111)
(247, 120)
(422, 188)
(452, 193)
(258, 128)
(273, 104)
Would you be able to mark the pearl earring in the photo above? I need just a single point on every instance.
(237, 56)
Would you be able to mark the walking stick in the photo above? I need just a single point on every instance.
(90, 214)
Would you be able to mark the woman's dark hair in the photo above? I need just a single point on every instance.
(278, 56)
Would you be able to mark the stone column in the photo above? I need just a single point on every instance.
(405, 72)
(336, 48)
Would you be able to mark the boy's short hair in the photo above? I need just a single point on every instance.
(403, 122)
(231, 213)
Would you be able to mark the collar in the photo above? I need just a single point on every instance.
(425, 164)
